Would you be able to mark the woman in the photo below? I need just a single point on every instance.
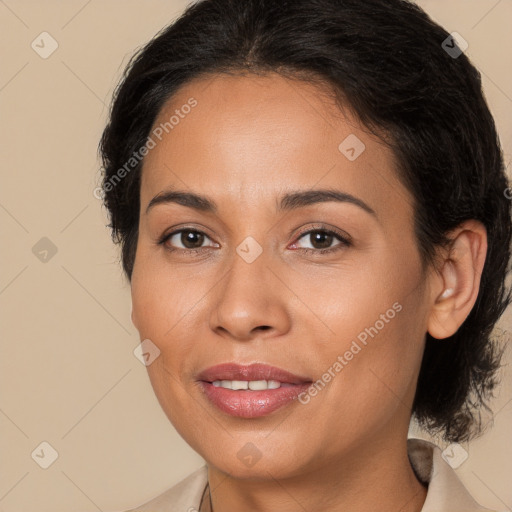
(309, 196)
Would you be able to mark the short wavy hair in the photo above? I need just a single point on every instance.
(403, 76)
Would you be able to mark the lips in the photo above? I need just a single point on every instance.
(248, 403)
(252, 372)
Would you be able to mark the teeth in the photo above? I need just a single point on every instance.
(253, 385)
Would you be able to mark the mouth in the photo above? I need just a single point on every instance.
(250, 391)
(255, 372)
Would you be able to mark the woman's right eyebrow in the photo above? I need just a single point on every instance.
(190, 199)
(289, 201)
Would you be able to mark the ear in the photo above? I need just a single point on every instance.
(456, 284)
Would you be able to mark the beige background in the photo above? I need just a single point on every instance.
(68, 374)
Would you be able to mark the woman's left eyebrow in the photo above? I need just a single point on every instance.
(302, 198)
(289, 201)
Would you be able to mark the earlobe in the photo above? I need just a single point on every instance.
(458, 280)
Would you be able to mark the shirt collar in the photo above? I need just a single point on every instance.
(445, 493)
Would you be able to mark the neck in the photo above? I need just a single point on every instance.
(377, 476)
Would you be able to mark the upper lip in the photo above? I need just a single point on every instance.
(255, 371)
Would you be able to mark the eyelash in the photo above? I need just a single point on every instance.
(344, 241)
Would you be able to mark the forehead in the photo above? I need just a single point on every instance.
(254, 136)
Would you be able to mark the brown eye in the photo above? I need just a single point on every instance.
(321, 240)
(192, 239)
(186, 239)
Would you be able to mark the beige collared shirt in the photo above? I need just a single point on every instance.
(446, 493)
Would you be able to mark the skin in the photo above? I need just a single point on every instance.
(249, 140)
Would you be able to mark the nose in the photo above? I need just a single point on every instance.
(250, 302)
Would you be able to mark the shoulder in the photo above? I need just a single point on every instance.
(185, 496)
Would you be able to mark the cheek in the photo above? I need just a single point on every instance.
(378, 323)
(354, 296)
(166, 307)
(161, 313)
(374, 379)
(162, 300)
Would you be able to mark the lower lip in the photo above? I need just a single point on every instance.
(252, 404)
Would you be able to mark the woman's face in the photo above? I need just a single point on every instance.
(249, 283)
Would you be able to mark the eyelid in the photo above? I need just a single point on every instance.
(174, 233)
(342, 235)
(162, 240)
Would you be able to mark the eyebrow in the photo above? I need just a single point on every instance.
(290, 201)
